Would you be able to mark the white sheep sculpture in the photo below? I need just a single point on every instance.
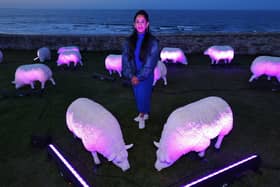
(67, 57)
(113, 63)
(220, 52)
(43, 54)
(175, 55)
(160, 71)
(29, 73)
(265, 65)
(99, 131)
(191, 127)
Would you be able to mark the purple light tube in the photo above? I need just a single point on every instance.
(68, 165)
(196, 182)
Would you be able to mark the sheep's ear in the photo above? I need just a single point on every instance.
(156, 144)
(128, 146)
(112, 157)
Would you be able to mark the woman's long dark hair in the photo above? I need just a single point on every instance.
(133, 39)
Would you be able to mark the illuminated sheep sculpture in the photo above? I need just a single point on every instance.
(43, 54)
(69, 54)
(220, 52)
(160, 72)
(175, 55)
(191, 127)
(68, 48)
(29, 73)
(99, 131)
(1, 56)
(265, 65)
(113, 63)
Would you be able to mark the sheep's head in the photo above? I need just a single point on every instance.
(120, 159)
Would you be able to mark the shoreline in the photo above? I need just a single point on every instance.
(243, 43)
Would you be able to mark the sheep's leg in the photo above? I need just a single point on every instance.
(43, 85)
(165, 80)
(95, 157)
(202, 145)
(52, 80)
(154, 83)
(32, 85)
(268, 78)
(219, 141)
(278, 78)
(212, 61)
(120, 74)
(252, 78)
(81, 63)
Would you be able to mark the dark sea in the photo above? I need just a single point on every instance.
(28, 21)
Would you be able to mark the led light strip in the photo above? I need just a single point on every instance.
(68, 165)
(220, 171)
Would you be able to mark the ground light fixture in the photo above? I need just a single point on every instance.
(221, 177)
(227, 174)
(65, 167)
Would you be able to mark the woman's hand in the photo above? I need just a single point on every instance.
(134, 80)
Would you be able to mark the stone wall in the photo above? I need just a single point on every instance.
(243, 43)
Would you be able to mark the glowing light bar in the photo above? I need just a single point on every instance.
(255, 161)
(79, 179)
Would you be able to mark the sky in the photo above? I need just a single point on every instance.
(142, 4)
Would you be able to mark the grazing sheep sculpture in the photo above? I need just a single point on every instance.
(265, 65)
(28, 74)
(160, 72)
(175, 55)
(113, 63)
(43, 54)
(99, 131)
(191, 127)
(67, 57)
(220, 52)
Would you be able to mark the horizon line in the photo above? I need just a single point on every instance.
(131, 9)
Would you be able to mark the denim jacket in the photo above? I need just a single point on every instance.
(129, 67)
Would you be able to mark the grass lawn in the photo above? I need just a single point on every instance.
(256, 123)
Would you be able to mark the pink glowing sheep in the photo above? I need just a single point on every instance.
(191, 127)
(28, 74)
(113, 63)
(265, 65)
(160, 72)
(43, 54)
(220, 52)
(67, 57)
(68, 48)
(1, 56)
(99, 131)
(175, 55)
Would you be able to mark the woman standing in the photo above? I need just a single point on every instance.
(139, 58)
